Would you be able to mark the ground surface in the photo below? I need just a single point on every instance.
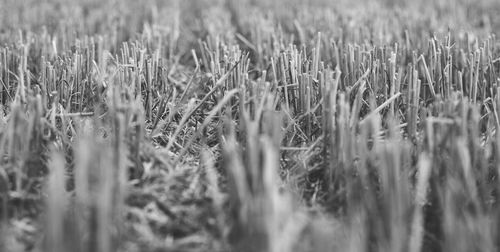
(249, 125)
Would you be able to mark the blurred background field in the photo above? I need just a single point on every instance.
(249, 125)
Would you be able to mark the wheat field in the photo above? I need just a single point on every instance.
(249, 125)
